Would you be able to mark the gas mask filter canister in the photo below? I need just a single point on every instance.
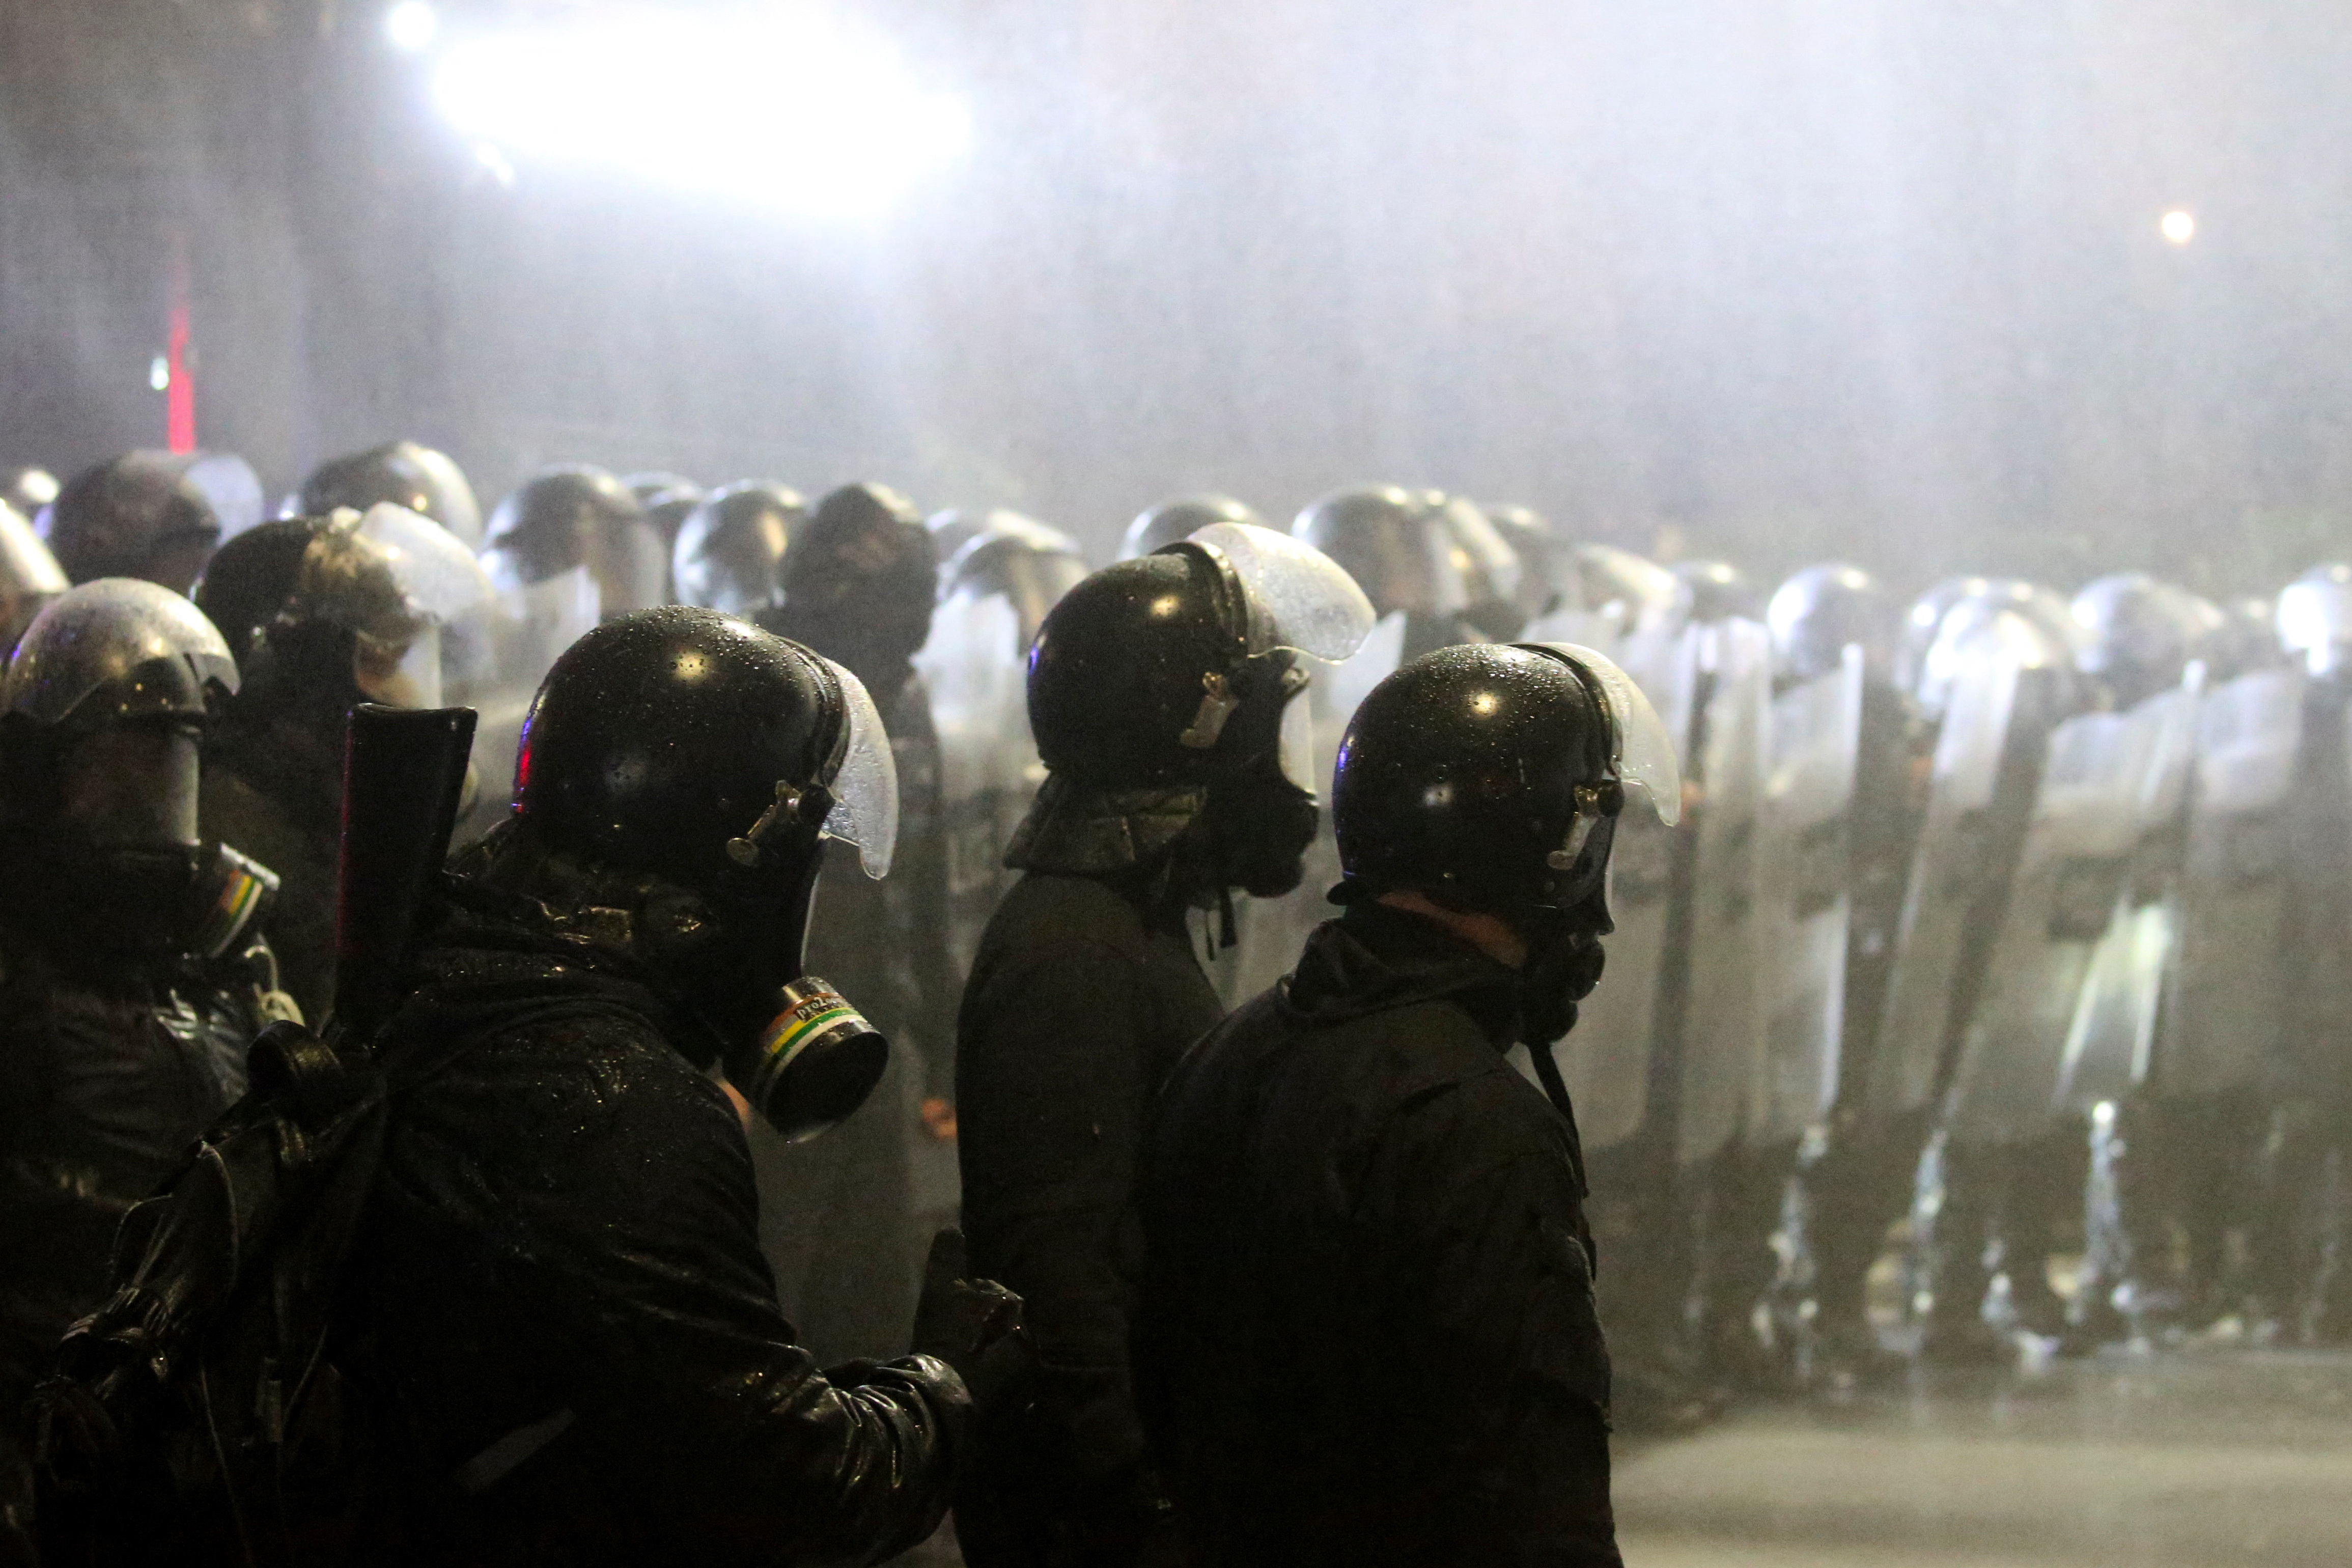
(813, 1064)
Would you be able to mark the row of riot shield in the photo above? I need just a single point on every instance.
(2101, 903)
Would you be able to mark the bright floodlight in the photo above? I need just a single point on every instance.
(783, 111)
(2178, 225)
(411, 26)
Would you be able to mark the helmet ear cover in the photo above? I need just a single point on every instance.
(1257, 686)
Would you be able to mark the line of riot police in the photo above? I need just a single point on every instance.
(1963, 944)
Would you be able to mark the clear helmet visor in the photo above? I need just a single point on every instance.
(1300, 599)
(1641, 750)
(437, 576)
(233, 488)
(401, 675)
(416, 597)
(864, 784)
(101, 632)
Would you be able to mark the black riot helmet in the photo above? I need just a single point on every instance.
(1386, 538)
(1489, 777)
(2031, 624)
(1142, 669)
(1715, 590)
(346, 608)
(2140, 634)
(1169, 522)
(407, 474)
(1019, 558)
(730, 550)
(572, 516)
(105, 698)
(138, 515)
(1161, 695)
(1823, 610)
(678, 773)
(860, 584)
(100, 717)
(668, 499)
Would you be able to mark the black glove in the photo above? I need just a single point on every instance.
(973, 1325)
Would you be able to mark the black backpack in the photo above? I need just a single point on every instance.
(196, 1416)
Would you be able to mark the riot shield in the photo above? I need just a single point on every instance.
(1605, 1059)
(973, 665)
(1270, 932)
(1981, 789)
(2111, 1041)
(2227, 1008)
(2065, 893)
(1805, 874)
(1723, 1034)
(530, 626)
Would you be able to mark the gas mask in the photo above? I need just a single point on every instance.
(814, 1059)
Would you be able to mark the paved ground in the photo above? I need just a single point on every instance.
(2192, 1459)
(2240, 1458)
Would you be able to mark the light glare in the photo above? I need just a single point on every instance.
(780, 110)
(411, 26)
(2178, 225)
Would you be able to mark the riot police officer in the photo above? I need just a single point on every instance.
(575, 517)
(2142, 637)
(408, 474)
(839, 1217)
(2305, 1227)
(1854, 1173)
(1961, 1028)
(321, 614)
(560, 1318)
(131, 971)
(1368, 1331)
(1158, 690)
(138, 515)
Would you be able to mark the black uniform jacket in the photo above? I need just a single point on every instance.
(107, 1069)
(1079, 1002)
(558, 1314)
(1367, 1334)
